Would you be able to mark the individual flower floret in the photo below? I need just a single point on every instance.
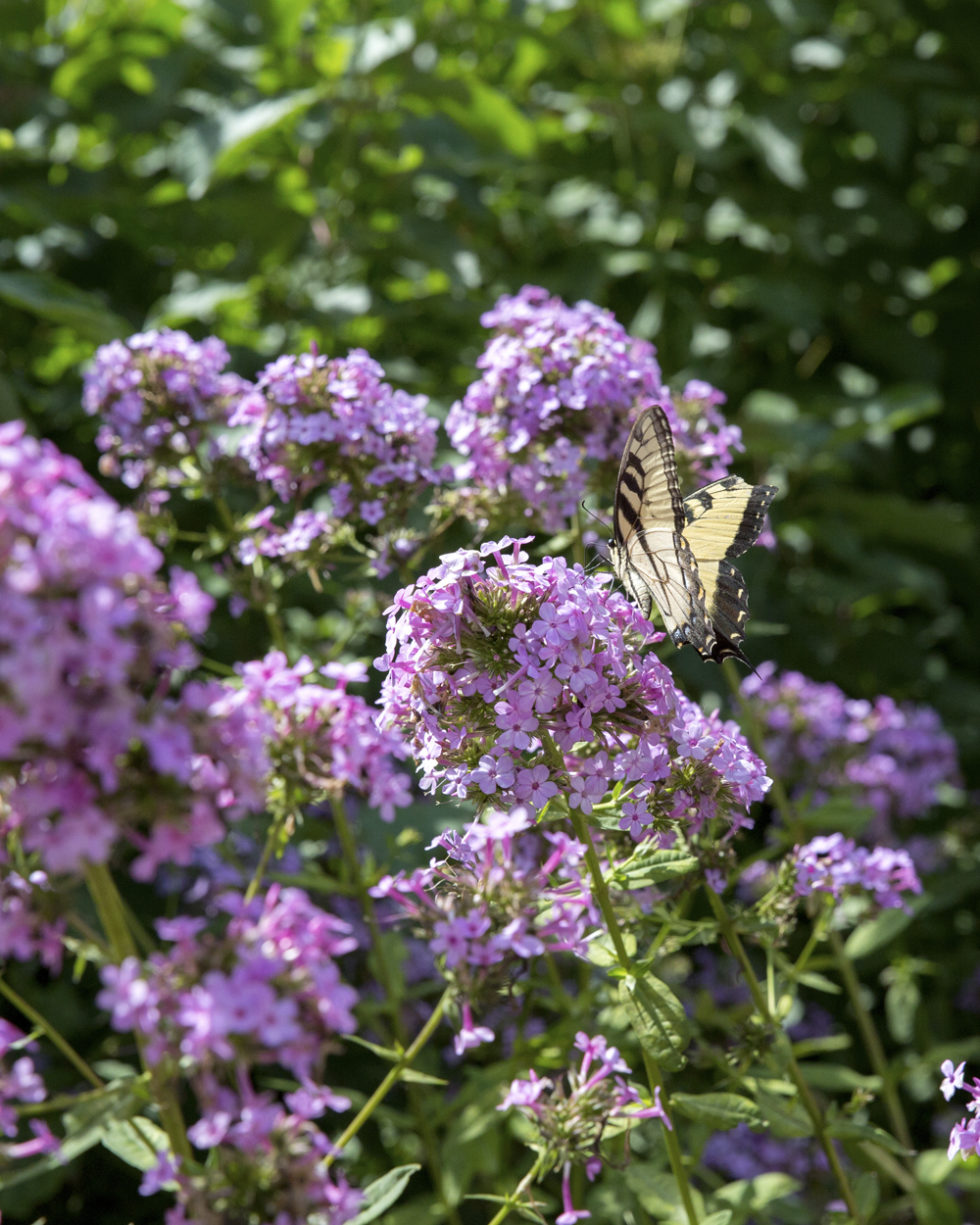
(837, 865)
(333, 430)
(965, 1136)
(570, 1116)
(157, 395)
(560, 387)
(523, 684)
(502, 895)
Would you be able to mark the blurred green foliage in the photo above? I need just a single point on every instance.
(781, 195)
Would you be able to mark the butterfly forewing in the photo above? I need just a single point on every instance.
(649, 553)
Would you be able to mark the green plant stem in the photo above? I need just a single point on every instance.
(654, 1075)
(272, 839)
(349, 851)
(734, 942)
(872, 1043)
(53, 1035)
(515, 1200)
(112, 916)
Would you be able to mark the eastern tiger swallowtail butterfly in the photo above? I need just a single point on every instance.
(676, 552)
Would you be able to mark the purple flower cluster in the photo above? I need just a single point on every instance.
(561, 385)
(157, 395)
(570, 1119)
(965, 1136)
(30, 925)
(523, 684)
(894, 758)
(264, 991)
(331, 428)
(93, 745)
(20, 1082)
(837, 865)
(741, 1153)
(322, 738)
(502, 895)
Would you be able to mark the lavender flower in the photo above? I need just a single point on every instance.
(893, 758)
(561, 386)
(965, 1136)
(836, 865)
(334, 430)
(570, 1118)
(502, 895)
(157, 394)
(522, 684)
(95, 747)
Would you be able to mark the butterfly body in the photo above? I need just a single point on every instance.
(676, 552)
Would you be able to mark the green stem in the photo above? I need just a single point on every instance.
(406, 1061)
(734, 942)
(872, 1043)
(112, 916)
(515, 1199)
(654, 1075)
(54, 1037)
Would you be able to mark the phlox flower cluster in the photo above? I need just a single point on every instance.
(94, 746)
(741, 1153)
(257, 993)
(324, 739)
(965, 1136)
(560, 386)
(501, 895)
(157, 395)
(333, 430)
(570, 1116)
(20, 1082)
(836, 865)
(30, 925)
(523, 684)
(892, 757)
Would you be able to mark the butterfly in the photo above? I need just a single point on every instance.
(676, 552)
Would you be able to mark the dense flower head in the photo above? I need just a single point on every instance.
(334, 430)
(560, 386)
(95, 746)
(501, 895)
(518, 684)
(30, 923)
(323, 738)
(965, 1136)
(836, 865)
(156, 395)
(570, 1115)
(892, 757)
(265, 1163)
(261, 988)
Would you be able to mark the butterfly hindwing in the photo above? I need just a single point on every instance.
(649, 552)
(722, 520)
(677, 552)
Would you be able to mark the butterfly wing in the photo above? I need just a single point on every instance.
(721, 521)
(649, 553)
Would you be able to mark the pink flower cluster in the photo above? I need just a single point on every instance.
(95, 746)
(837, 865)
(561, 386)
(520, 683)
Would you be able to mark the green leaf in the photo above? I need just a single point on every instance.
(721, 1111)
(647, 866)
(851, 1129)
(936, 1206)
(837, 1077)
(49, 297)
(932, 1166)
(136, 1141)
(383, 1192)
(657, 1018)
(876, 933)
(785, 1116)
(754, 1194)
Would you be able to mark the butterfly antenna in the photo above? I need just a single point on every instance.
(592, 515)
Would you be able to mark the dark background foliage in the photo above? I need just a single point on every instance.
(780, 195)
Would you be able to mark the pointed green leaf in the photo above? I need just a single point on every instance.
(657, 1018)
(48, 297)
(721, 1111)
(647, 866)
(383, 1192)
(135, 1141)
(851, 1129)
